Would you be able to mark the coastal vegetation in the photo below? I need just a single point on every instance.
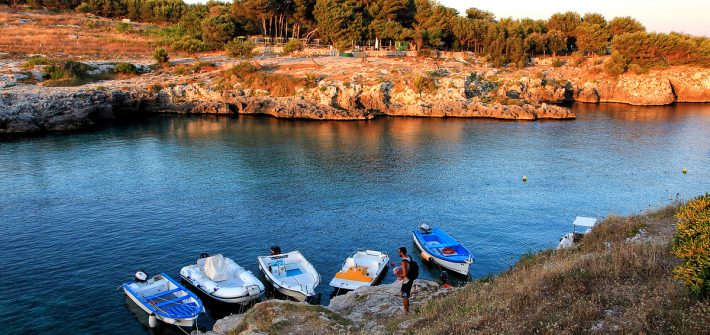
(618, 279)
(421, 24)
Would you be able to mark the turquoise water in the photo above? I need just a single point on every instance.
(80, 213)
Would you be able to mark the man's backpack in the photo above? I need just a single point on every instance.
(412, 269)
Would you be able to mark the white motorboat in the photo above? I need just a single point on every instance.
(164, 300)
(363, 268)
(223, 279)
(580, 227)
(290, 273)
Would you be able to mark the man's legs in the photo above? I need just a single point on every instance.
(405, 302)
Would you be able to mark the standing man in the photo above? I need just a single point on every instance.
(410, 271)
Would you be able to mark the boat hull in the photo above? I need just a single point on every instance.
(243, 299)
(186, 322)
(298, 295)
(460, 268)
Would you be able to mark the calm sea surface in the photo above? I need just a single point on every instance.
(80, 213)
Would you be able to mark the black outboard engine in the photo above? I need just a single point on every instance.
(275, 250)
(141, 276)
(204, 255)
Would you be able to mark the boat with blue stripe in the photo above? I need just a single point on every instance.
(164, 299)
(290, 273)
(439, 247)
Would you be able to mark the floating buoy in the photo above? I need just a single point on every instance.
(525, 179)
(152, 320)
(685, 171)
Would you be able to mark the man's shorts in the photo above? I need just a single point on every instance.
(406, 289)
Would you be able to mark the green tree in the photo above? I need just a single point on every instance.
(555, 41)
(594, 18)
(566, 23)
(217, 30)
(515, 51)
(341, 22)
(592, 38)
(626, 24)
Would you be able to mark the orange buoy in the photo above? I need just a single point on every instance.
(425, 256)
(448, 251)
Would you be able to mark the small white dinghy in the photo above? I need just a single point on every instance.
(164, 300)
(290, 273)
(580, 227)
(363, 268)
(223, 279)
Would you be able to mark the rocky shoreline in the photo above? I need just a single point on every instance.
(456, 92)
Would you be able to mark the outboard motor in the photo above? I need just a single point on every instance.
(204, 255)
(275, 250)
(424, 228)
(141, 276)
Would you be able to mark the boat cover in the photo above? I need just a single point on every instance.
(216, 268)
(584, 221)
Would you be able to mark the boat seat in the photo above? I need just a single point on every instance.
(173, 301)
(443, 246)
(358, 273)
(163, 294)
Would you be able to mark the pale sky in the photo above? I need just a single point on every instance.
(689, 16)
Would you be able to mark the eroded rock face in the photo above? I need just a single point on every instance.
(636, 90)
(59, 112)
(691, 88)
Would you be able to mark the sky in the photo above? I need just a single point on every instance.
(689, 16)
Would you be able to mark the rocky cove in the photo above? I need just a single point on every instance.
(345, 90)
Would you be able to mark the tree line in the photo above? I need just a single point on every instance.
(422, 23)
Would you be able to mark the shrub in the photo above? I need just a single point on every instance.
(240, 48)
(54, 72)
(424, 84)
(424, 53)
(161, 56)
(692, 244)
(637, 69)
(77, 69)
(125, 68)
(616, 65)
(292, 45)
(595, 70)
(123, 27)
(83, 8)
(557, 62)
(191, 45)
(217, 30)
(36, 60)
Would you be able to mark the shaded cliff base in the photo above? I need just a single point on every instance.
(618, 280)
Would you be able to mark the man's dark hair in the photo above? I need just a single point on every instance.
(403, 250)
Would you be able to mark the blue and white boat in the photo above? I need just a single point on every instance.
(438, 247)
(164, 300)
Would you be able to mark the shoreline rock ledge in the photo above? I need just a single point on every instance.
(367, 310)
(34, 109)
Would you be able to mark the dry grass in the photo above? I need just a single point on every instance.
(604, 285)
(58, 35)
(249, 76)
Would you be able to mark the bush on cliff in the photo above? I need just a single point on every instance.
(692, 244)
(125, 68)
(161, 56)
(292, 45)
(424, 84)
(241, 49)
(616, 65)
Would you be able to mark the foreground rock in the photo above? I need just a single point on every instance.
(368, 310)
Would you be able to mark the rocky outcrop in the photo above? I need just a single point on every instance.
(636, 90)
(367, 310)
(693, 87)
